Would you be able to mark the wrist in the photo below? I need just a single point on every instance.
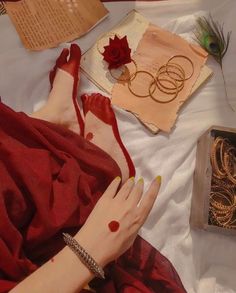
(84, 256)
(91, 245)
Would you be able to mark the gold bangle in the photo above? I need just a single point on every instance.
(161, 101)
(153, 82)
(230, 176)
(186, 58)
(218, 183)
(222, 210)
(176, 66)
(173, 81)
(224, 196)
(217, 172)
(223, 143)
(132, 76)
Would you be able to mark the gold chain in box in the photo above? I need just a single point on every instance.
(2, 8)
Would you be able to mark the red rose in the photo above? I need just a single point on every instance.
(117, 53)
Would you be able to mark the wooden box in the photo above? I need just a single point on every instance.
(199, 217)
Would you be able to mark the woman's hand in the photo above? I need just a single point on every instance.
(66, 273)
(128, 208)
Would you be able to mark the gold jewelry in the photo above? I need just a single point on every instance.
(152, 82)
(227, 160)
(158, 84)
(178, 83)
(165, 67)
(174, 75)
(131, 77)
(186, 58)
(219, 173)
(177, 66)
(161, 101)
(163, 88)
(222, 211)
(226, 155)
(223, 184)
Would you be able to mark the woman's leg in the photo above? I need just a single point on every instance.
(99, 124)
(101, 129)
(62, 107)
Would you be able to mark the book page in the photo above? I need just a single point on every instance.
(45, 24)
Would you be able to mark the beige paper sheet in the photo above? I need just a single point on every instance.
(44, 24)
(205, 74)
(154, 50)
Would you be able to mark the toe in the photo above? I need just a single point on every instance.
(62, 59)
(75, 53)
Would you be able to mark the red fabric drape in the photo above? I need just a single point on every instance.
(50, 180)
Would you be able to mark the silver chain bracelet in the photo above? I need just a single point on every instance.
(85, 258)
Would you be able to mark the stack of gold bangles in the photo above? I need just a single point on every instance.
(223, 190)
(169, 79)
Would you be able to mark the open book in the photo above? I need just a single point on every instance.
(43, 24)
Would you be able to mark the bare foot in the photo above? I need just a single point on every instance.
(102, 130)
(100, 125)
(62, 106)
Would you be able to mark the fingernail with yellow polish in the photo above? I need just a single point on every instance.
(118, 178)
(131, 178)
(158, 178)
(140, 180)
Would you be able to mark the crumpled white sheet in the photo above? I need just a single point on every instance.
(206, 262)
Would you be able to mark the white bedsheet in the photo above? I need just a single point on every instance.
(206, 262)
